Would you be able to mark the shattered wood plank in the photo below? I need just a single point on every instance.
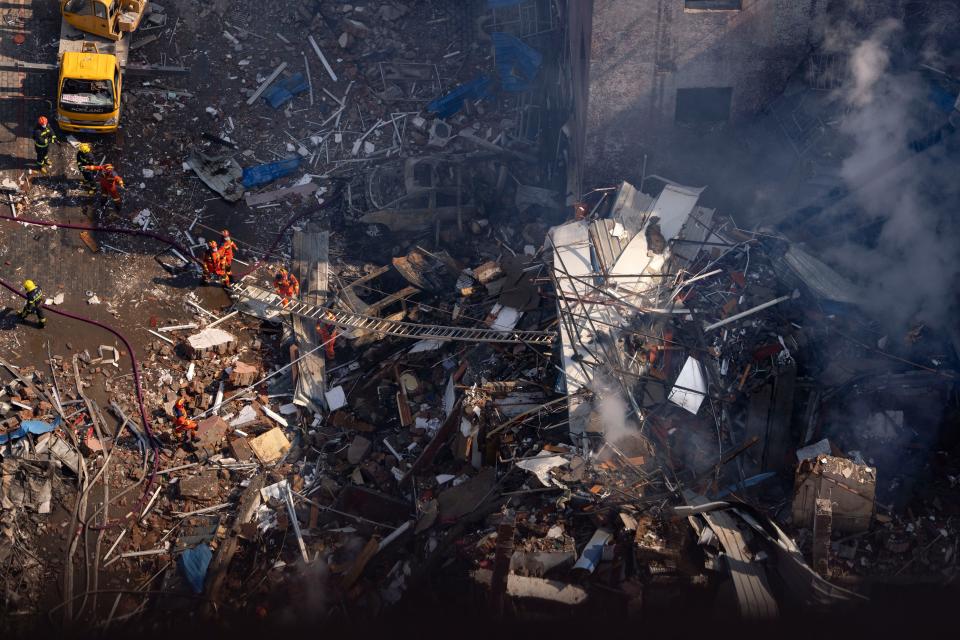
(376, 273)
(89, 241)
(217, 573)
(310, 264)
(536, 588)
(267, 83)
(749, 578)
(439, 439)
(757, 427)
(253, 200)
(779, 441)
(370, 550)
(378, 306)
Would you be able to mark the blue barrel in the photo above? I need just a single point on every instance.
(265, 173)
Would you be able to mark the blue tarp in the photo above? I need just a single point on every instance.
(452, 102)
(36, 427)
(284, 91)
(264, 173)
(517, 63)
(194, 563)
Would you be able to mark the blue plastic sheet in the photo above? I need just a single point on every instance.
(194, 563)
(452, 102)
(265, 173)
(284, 91)
(517, 63)
(36, 427)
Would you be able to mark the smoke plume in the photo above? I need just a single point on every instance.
(909, 265)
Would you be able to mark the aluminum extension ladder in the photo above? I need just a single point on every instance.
(351, 320)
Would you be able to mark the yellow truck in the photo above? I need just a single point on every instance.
(108, 19)
(89, 89)
(90, 78)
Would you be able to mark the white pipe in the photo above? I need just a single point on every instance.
(748, 312)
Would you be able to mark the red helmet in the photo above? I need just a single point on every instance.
(42, 121)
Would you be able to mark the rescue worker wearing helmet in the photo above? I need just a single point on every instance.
(88, 179)
(34, 302)
(212, 262)
(42, 137)
(227, 247)
(110, 182)
(286, 285)
(184, 426)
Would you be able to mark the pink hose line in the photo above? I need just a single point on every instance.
(133, 359)
(83, 227)
(165, 239)
(136, 383)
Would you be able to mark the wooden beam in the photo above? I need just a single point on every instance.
(217, 574)
(266, 83)
(326, 65)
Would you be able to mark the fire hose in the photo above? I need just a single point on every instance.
(165, 239)
(152, 439)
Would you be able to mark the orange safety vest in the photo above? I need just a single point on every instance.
(213, 263)
(287, 286)
(227, 249)
(329, 336)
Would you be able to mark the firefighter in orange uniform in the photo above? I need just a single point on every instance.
(287, 285)
(212, 262)
(227, 247)
(183, 425)
(328, 335)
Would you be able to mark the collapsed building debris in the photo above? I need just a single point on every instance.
(490, 384)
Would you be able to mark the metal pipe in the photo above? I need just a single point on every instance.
(744, 314)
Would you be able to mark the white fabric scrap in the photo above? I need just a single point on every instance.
(541, 466)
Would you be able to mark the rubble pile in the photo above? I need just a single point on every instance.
(487, 386)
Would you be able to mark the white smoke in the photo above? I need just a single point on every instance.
(869, 63)
(612, 410)
(910, 270)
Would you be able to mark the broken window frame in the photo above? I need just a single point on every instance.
(79, 7)
(77, 107)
